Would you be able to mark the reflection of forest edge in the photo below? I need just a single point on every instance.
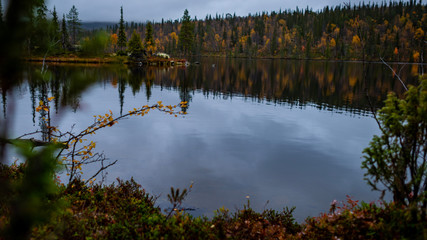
(333, 86)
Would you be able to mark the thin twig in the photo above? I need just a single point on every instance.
(44, 58)
(101, 169)
(27, 134)
(397, 75)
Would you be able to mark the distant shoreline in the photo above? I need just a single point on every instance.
(125, 60)
(64, 59)
(152, 61)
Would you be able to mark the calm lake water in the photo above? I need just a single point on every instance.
(285, 133)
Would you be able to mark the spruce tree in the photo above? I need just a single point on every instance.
(73, 24)
(39, 37)
(186, 36)
(65, 42)
(56, 35)
(122, 35)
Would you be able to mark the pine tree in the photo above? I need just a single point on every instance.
(65, 41)
(56, 35)
(186, 36)
(73, 24)
(122, 35)
(39, 37)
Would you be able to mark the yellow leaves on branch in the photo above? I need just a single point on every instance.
(160, 105)
(78, 156)
(184, 104)
(108, 120)
(168, 109)
(43, 106)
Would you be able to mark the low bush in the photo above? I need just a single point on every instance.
(352, 220)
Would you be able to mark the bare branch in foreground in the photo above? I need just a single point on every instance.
(397, 75)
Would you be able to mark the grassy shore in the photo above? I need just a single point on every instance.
(76, 59)
(105, 60)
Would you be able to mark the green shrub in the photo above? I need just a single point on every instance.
(397, 159)
(95, 45)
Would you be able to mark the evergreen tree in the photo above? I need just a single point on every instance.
(56, 35)
(73, 24)
(186, 36)
(65, 40)
(135, 43)
(148, 41)
(259, 29)
(40, 40)
(41, 13)
(121, 43)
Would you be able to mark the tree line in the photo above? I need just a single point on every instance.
(394, 31)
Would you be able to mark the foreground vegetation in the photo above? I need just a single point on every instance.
(125, 211)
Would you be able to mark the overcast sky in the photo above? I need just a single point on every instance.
(143, 10)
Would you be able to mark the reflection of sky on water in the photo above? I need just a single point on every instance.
(230, 149)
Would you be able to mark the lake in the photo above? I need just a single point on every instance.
(284, 133)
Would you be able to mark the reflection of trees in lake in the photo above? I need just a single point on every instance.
(339, 86)
(329, 85)
(185, 87)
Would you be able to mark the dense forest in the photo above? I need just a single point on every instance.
(394, 31)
